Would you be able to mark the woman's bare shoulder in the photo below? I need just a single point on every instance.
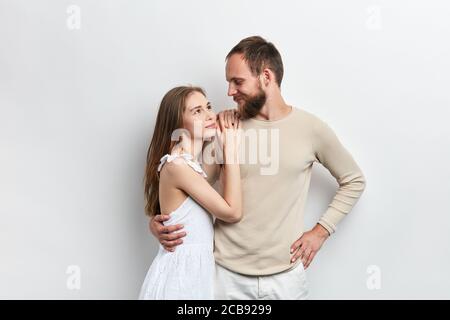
(178, 172)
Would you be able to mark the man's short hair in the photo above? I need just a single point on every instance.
(260, 54)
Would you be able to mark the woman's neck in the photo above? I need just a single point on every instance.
(192, 147)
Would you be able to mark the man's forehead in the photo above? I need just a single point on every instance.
(236, 60)
(236, 67)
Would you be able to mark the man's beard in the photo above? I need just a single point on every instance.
(252, 104)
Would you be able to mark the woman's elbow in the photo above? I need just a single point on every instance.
(235, 216)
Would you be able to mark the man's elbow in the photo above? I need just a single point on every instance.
(360, 183)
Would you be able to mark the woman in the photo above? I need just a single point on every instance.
(175, 184)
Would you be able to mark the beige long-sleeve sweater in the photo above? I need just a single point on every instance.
(276, 161)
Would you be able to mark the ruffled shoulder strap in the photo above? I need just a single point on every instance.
(188, 159)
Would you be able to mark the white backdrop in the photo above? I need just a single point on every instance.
(80, 83)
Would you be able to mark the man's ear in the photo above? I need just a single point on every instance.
(266, 76)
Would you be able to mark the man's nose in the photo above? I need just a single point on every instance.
(231, 90)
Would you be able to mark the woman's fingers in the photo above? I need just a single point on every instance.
(219, 135)
(235, 120)
(225, 120)
(232, 118)
(221, 116)
(229, 119)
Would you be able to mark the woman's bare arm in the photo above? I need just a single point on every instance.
(227, 208)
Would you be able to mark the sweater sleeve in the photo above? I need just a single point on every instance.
(332, 155)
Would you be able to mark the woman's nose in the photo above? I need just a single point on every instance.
(211, 115)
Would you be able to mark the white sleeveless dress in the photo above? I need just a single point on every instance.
(188, 272)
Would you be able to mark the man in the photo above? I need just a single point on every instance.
(265, 255)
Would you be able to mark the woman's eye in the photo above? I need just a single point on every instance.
(209, 107)
(197, 111)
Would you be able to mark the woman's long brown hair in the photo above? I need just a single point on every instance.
(170, 118)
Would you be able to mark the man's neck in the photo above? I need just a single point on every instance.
(274, 109)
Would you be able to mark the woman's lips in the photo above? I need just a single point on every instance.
(211, 126)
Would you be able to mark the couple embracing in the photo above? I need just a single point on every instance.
(245, 240)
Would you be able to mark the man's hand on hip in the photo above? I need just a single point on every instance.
(306, 247)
